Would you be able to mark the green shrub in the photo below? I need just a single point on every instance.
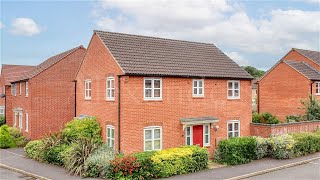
(262, 149)
(281, 147)
(311, 108)
(294, 118)
(235, 151)
(306, 143)
(98, 162)
(159, 164)
(53, 155)
(256, 118)
(2, 120)
(268, 118)
(75, 157)
(6, 140)
(82, 128)
(17, 137)
(35, 150)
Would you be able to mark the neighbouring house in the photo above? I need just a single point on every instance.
(291, 80)
(153, 93)
(8, 73)
(43, 98)
(254, 95)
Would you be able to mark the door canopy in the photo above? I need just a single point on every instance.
(198, 121)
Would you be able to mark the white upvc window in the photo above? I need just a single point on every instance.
(110, 136)
(206, 135)
(2, 108)
(152, 88)
(87, 89)
(152, 138)
(189, 134)
(233, 128)
(15, 120)
(110, 89)
(198, 88)
(27, 122)
(317, 88)
(13, 89)
(27, 89)
(20, 121)
(233, 89)
(20, 89)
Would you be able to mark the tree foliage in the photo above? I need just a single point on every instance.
(256, 73)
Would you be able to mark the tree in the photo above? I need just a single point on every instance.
(256, 73)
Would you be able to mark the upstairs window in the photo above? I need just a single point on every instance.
(110, 88)
(87, 89)
(152, 138)
(233, 89)
(233, 128)
(27, 89)
(20, 89)
(13, 89)
(317, 88)
(110, 136)
(198, 88)
(152, 88)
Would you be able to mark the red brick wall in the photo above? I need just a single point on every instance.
(294, 55)
(51, 97)
(281, 91)
(266, 130)
(177, 102)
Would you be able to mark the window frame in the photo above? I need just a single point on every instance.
(204, 134)
(13, 89)
(191, 135)
(152, 98)
(152, 128)
(317, 88)
(233, 131)
(27, 122)
(233, 89)
(110, 98)
(110, 139)
(20, 89)
(2, 108)
(197, 88)
(27, 88)
(87, 90)
(20, 115)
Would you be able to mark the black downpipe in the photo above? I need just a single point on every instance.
(119, 108)
(75, 98)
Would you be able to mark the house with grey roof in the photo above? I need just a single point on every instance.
(289, 81)
(151, 93)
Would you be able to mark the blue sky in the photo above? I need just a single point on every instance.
(251, 32)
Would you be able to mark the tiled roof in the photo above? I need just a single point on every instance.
(141, 55)
(11, 72)
(45, 65)
(313, 55)
(304, 68)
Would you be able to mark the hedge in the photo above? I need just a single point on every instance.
(242, 150)
(11, 137)
(159, 164)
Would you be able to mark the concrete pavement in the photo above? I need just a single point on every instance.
(310, 171)
(6, 174)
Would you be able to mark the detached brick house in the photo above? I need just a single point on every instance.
(43, 98)
(9, 73)
(292, 79)
(152, 93)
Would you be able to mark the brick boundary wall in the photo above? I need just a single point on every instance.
(266, 130)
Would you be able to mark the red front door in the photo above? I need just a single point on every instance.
(198, 135)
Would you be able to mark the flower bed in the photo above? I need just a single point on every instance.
(245, 149)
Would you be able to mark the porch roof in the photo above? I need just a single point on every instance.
(199, 120)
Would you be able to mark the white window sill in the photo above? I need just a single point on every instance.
(153, 99)
(87, 99)
(198, 96)
(110, 99)
(233, 98)
(317, 94)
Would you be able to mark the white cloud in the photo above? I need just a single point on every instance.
(1, 25)
(309, 1)
(25, 27)
(239, 59)
(225, 23)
